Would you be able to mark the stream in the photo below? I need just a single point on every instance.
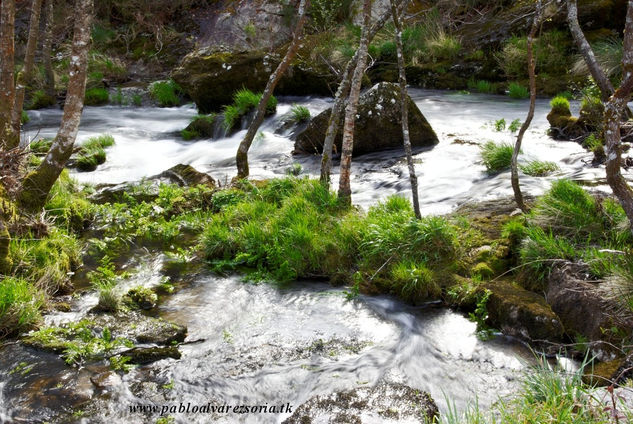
(257, 343)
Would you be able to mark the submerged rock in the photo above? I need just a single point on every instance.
(147, 355)
(384, 403)
(521, 313)
(378, 124)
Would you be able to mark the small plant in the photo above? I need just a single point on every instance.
(24, 118)
(120, 363)
(593, 143)
(496, 157)
(560, 105)
(295, 169)
(517, 91)
(137, 100)
(244, 101)
(300, 113)
(117, 98)
(19, 306)
(537, 168)
(104, 279)
(96, 96)
(515, 125)
(480, 315)
(39, 100)
(165, 93)
(250, 30)
(482, 86)
(500, 125)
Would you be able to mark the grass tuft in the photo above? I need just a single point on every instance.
(537, 168)
(496, 157)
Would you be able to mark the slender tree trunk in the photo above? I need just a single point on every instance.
(26, 74)
(38, 184)
(47, 50)
(8, 139)
(605, 86)
(344, 188)
(514, 178)
(342, 94)
(242, 151)
(404, 97)
(614, 109)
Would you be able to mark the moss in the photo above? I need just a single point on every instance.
(483, 271)
(142, 297)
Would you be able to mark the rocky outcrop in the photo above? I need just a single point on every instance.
(378, 124)
(583, 310)
(384, 403)
(521, 313)
(210, 77)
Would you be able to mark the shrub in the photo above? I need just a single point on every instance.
(20, 303)
(165, 93)
(244, 101)
(537, 168)
(551, 54)
(96, 96)
(560, 105)
(517, 91)
(496, 157)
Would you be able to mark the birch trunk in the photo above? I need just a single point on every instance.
(47, 50)
(8, 139)
(344, 189)
(605, 86)
(402, 78)
(614, 109)
(26, 74)
(514, 178)
(37, 184)
(339, 101)
(242, 152)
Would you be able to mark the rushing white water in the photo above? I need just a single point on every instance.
(260, 343)
(148, 142)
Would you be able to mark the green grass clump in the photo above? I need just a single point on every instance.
(245, 100)
(41, 146)
(67, 205)
(517, 91)
(443, 46)
(496, 157)
(92, 152)
(40, 100)
(537, 168)
(20, 303)
(551, 49)
(24, 118)
(300, 113)
(96, 96)
(165, 93)
(560, 105)
(482, 86)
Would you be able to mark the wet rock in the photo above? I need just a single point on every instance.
(186, 176)
(148, 355)
(384, 403)
(521, 313)
(106, 379)
(141, 328)
(378, 124)
(583, 310)
(211, 76)
(142, 297)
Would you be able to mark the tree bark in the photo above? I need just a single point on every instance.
(242, 152)
(614, 109)
(514, 167)
(344, 188)
(26, 74)
(342, 94)
(404, 97)
(38, 184)
(605, 86)
(47, 50)
(8, 139)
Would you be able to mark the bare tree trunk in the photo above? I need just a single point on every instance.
(47, 50)
(38, 184)
(404, 97)
(8, 139)
(614, 109)
(342, 94)
(605, 86)
(344, 188)
(26, 74)
(514, 178)
(242, 152)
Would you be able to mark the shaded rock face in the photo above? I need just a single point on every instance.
(378, 124)
(582, 309)
(210, 77)
(385, 403)
(521, 313)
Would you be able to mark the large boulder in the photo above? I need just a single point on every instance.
(378, 124)
(210, 76)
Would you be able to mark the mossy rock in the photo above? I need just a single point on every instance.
(601, 374)
(141, 297)
(186, 176)
(483, 271)
(202, 126)
(378, 125)
(521, 313)
(210, 77)
(147, 355)
(140, 328)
